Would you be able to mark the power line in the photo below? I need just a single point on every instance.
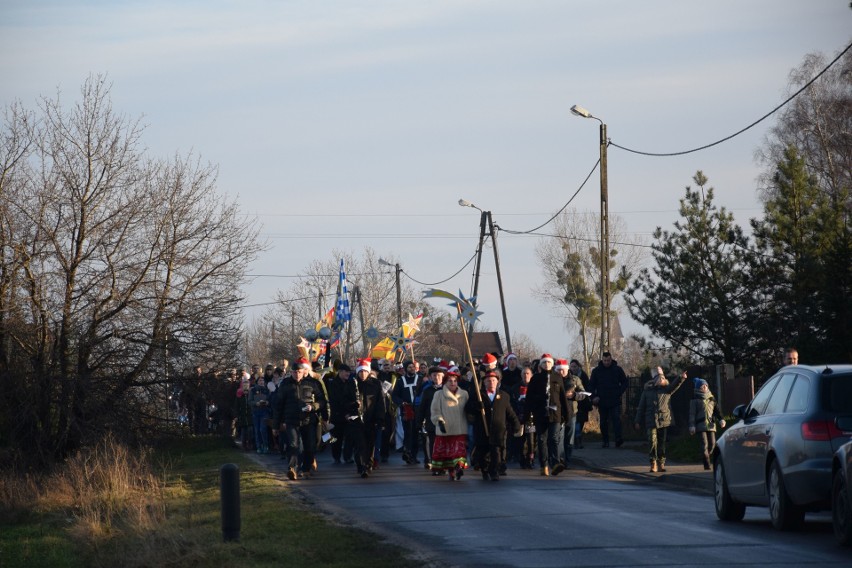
(558, 212)
(466, 264)
(752, 125)
(588, 240)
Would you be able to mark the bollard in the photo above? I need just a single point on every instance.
(229, 491)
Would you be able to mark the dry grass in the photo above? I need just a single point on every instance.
(112, 506)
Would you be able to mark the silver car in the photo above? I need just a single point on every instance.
(779, 453)
(841, 487)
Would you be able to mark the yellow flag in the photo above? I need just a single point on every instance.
(382, 349)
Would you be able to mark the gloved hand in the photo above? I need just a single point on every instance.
(692, 430)
(442, 426)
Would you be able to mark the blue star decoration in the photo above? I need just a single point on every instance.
(466, 307)
(401, 342)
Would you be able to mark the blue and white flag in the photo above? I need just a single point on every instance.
(341, 310)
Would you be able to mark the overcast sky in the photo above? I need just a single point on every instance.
(352, 124)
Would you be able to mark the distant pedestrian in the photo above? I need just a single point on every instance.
(584, 405)
(655, 413)
(704, 413)
(607, 386)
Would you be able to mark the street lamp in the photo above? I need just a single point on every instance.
(604, 243)
(486, 216)
(396, 267)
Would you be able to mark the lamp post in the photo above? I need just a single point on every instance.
(486, 216)
(604, 242)
(396, 267)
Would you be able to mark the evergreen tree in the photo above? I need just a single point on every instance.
(803, 258)
(699, 295)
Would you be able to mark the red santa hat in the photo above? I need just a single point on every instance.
(489, 360)
(302, 363)
(363, 365)
(546, 357)
(560, 364)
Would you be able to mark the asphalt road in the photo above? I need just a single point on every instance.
(577, 519)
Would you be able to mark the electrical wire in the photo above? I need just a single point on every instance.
(442, 281)
(511, 232)
(752, 125)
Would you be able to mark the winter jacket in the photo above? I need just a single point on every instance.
(608, 384)
(290, 402)
(704, 412)
(450, 407)
(655, 409)
(498, 415)
(546, 399)
(573, 385)
(369, 393)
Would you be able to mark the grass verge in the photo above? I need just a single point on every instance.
(175, 519)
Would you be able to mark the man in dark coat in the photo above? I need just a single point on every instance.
(607, 385)
(297, 412)
(549, 407)
(511, 373)
(499, 415)
(423, 416)
(335, 384)
(364, 408)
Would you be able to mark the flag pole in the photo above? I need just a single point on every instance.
(473, 370)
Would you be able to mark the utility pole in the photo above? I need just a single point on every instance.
(499, 281)
(482, 219)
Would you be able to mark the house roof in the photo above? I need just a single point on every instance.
(480, 342)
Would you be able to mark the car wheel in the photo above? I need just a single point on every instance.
(841, 510)
(726, 508)
(784, 514)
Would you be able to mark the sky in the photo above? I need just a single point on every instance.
(343, 125)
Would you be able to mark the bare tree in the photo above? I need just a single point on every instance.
(373, 300)
(571, 280)
(129, 268)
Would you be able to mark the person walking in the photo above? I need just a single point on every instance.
(499, 417)
(655, 413)
(607, 386)
(449, 453)
(549, 407)
(259, 403)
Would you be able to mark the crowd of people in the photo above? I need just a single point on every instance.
(532, 414)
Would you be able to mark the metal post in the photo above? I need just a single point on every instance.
(605, 291)
(229, 492)
(499, 281)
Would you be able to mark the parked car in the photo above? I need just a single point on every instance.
(779, 452)
(841, 487)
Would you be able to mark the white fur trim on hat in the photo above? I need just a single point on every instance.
(363, 365)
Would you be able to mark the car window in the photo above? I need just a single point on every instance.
(798, 401)
(779, 396)
(840, 393)
(762, 397)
